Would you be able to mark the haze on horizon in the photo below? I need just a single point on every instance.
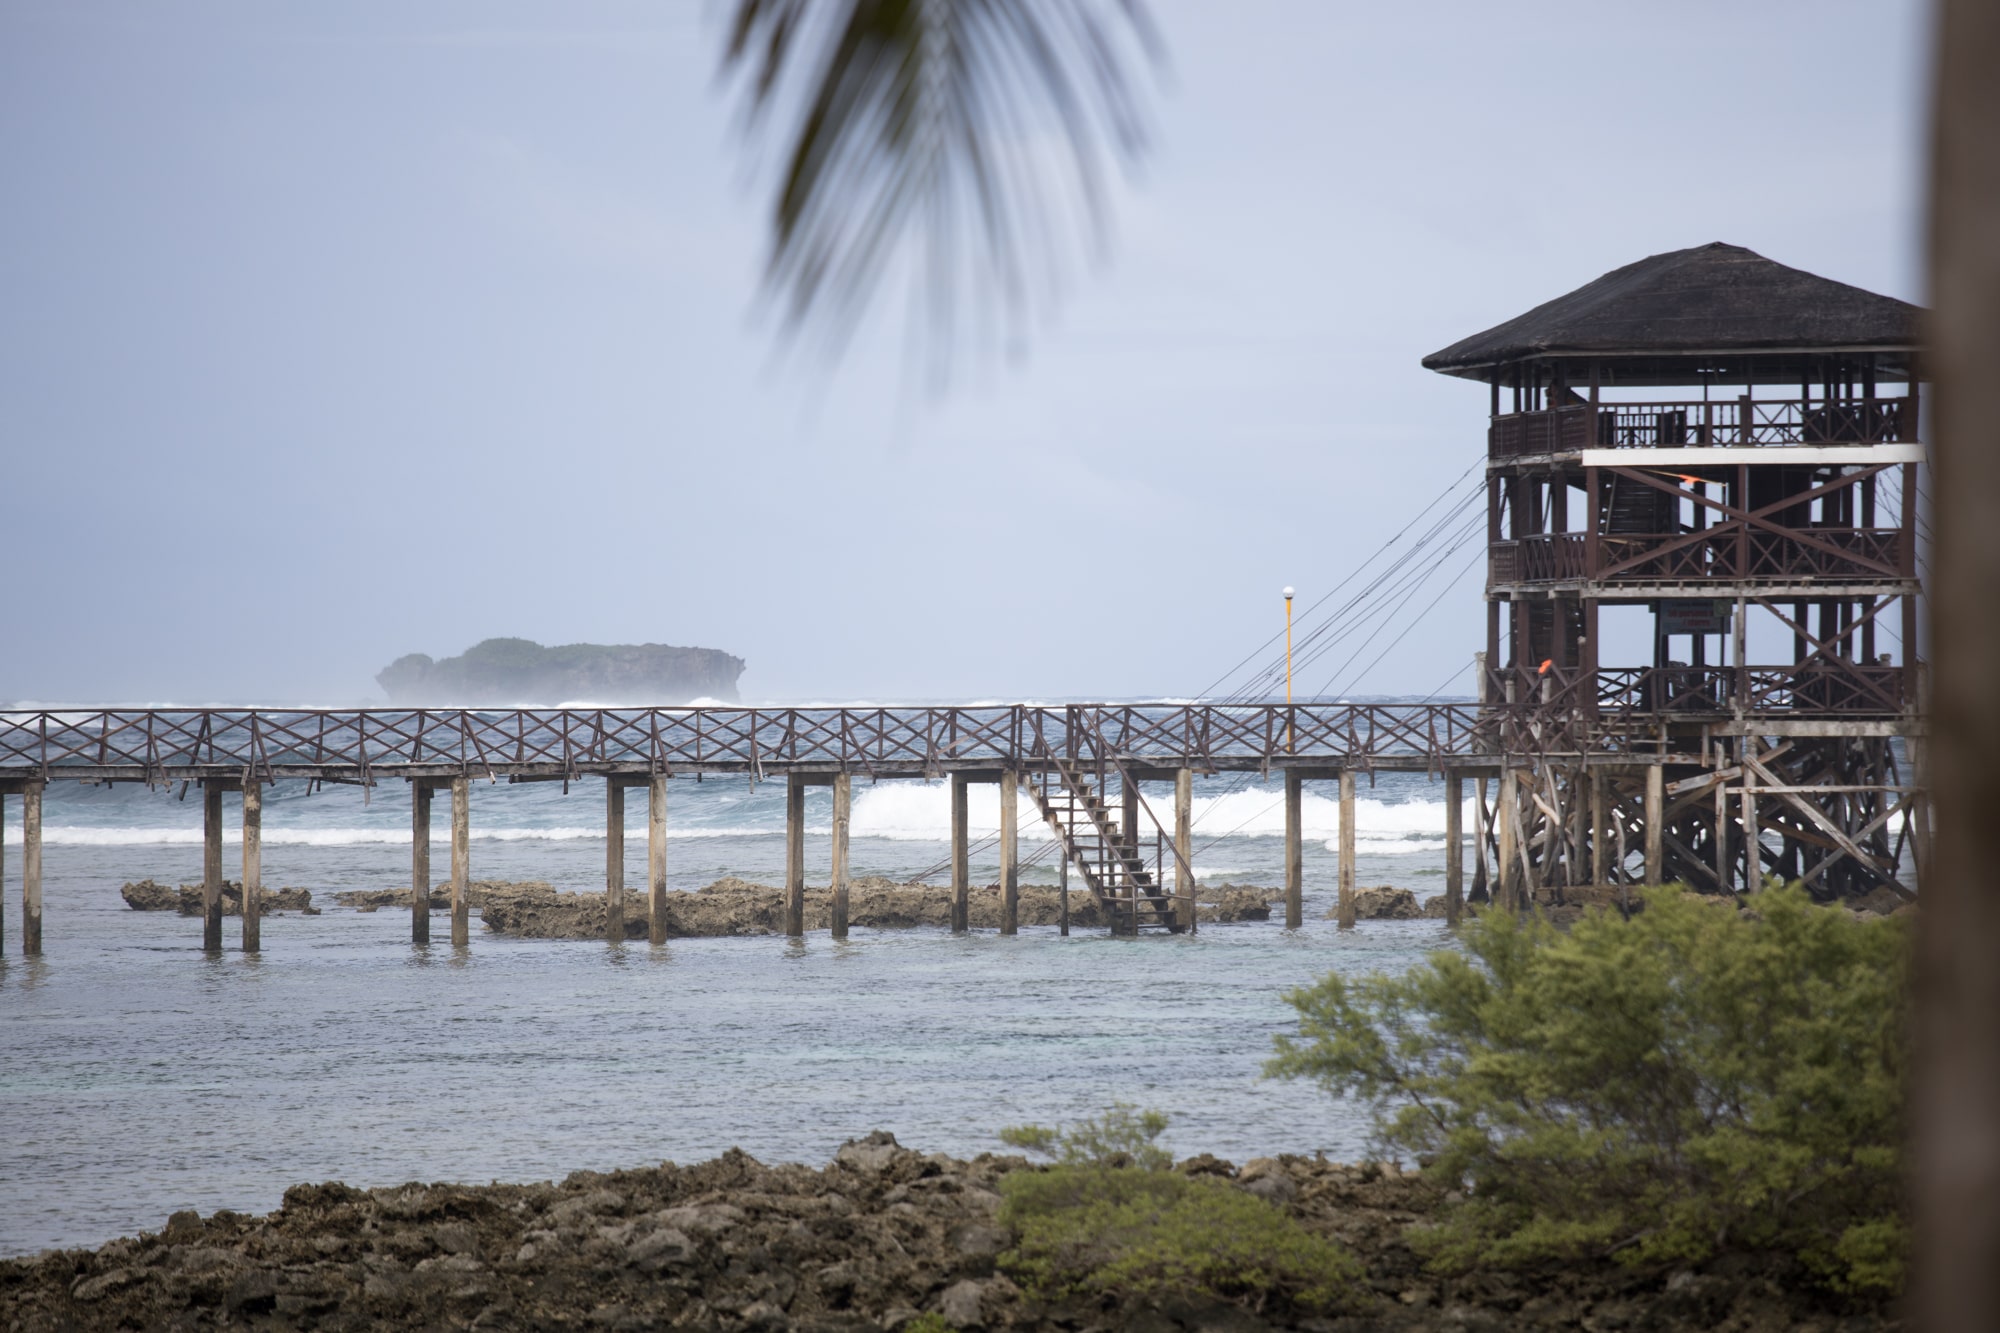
(331, 335)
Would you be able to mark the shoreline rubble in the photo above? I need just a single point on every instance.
(879, 1239)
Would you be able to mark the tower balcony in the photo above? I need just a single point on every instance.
(1730, 554)
(1736, 422)
(1819, 688)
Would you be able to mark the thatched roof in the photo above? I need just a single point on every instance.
(1711, 299)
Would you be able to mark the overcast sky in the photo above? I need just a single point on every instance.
(330, 333)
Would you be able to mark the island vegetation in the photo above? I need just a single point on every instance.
(523, 672)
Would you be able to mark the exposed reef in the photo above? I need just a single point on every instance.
(737, 907)
(149, 896)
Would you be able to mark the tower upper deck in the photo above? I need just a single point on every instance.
(1761, 354)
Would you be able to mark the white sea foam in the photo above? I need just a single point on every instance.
(892, 811)
(84, 836)
(910, 811)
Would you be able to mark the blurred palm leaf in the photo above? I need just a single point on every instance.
(964, 139)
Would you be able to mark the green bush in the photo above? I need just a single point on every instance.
(1125, 1232)
(1122, 1136)
(1658, 1088)
(1109, 1219)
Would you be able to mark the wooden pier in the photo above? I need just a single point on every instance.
(1617, 476)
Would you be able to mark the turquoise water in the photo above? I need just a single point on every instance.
(138, 1076)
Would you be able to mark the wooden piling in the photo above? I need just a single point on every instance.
(1507, 823)
(211, 866)
(1482, 841)
(1010, 868)
(461, 861)
(31, 869)
(1062, 895)
(614, 860)
(1753, 861)
(253, 867)
(1600, 838)
(420, 862)
(1184, 849)
(3, 871)
(843, 808)
(795, 855)
(1725, 876)
(960, 843)
(1656, 801)
(1454, 845)
(1295, 865)
(1128, 815)
(1347, 849)
(656, 859)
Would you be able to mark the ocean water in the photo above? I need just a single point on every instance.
(138, 1076)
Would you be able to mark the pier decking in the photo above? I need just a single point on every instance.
(1081, 765)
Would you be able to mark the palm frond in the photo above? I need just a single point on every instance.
(966, 139)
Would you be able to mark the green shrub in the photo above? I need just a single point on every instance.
(1125, 1232)
(1109, 1219)
(1659, 1088)
(1122, 1136)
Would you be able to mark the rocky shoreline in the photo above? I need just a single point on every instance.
(882, 1238)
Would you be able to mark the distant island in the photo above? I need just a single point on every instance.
(521, 671)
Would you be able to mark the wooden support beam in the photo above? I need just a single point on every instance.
(795, 855)
(1655, 819)
(1507, 822)
(1062, 895)
(1294, 851)
(1600, 842)
(656, 859)
(1347, 849)
(1010, 868)
(614, 861)
(961, 841)
(211, 867)
(1753, 857)
(843, 811)
(420, 862)
(1128, 812)
(253, 867)
(1724, 871)
(461, 861)
(1454, 845)
(1482, 884)
(1826, 825)
(1184, 849)
(31, 869)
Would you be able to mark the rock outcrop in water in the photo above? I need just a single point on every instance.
(879, 1238)
(520, 671)
(737, 907)
(148, 896)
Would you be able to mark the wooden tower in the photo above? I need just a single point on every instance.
(1703, 590)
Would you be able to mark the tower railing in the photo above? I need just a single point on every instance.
(1699, 422)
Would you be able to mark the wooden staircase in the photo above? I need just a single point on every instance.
(1072, 799)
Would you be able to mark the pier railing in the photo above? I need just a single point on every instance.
(361, 744)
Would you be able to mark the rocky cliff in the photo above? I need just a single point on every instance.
(520, 671)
